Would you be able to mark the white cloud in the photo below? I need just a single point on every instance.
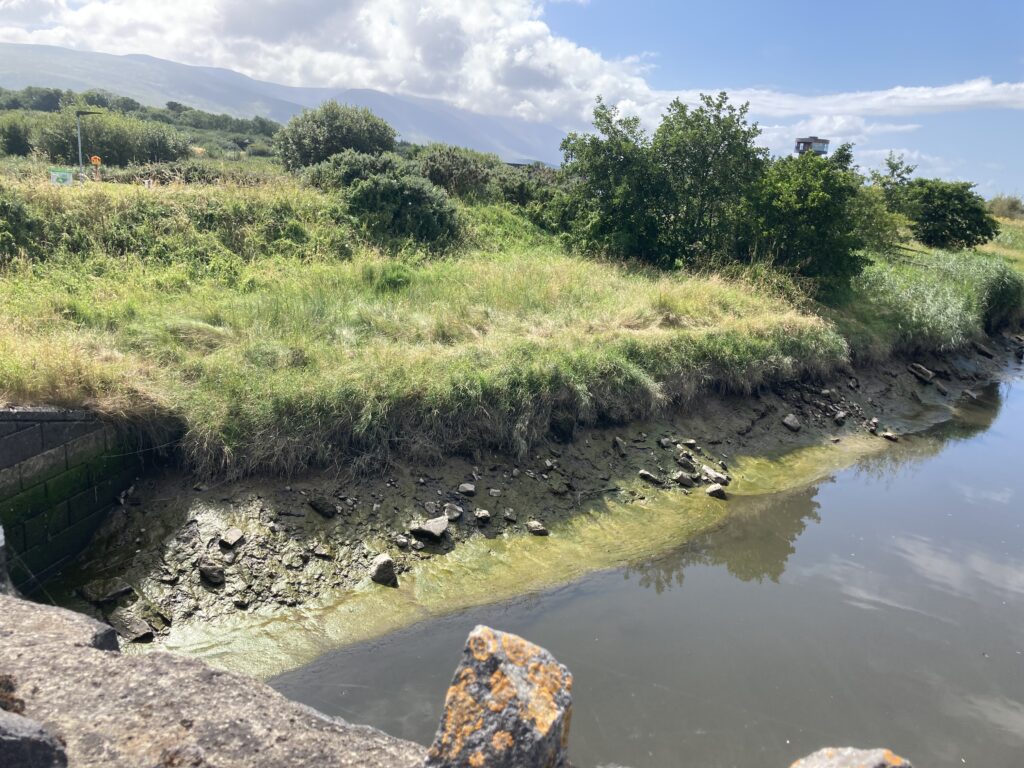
(497, 57)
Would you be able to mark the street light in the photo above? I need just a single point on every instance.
(78, 122)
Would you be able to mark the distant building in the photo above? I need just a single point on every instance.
(812, 144)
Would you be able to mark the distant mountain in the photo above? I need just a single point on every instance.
(155, 81)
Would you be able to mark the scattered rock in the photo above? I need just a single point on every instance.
(684, 479)
(452, 511)
(106, 591)
(536, 527)
(467, 489)
(27, 744)
(715, 491)
(649, 477)
(892, 437)
(510, 515)
(791, 422)
(494, 492)
(687, 463)
(482, 516)
(509, 706)
(382, 570)
(401, 541)
(665, 443)
(921, 373)
(430, 507)
(873, 425)
(714, 475)
(211, 572)
(941, 388)
(131, 627)
(231, 537)
(840, 418)
(323, 506)
(983, 350)
(620, 446)
(689, 443)
(847, 757)
(433, 528)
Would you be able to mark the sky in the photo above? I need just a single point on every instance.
(941, 81)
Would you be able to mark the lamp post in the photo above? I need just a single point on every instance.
(78, 122)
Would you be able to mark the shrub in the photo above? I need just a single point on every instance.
(18, 224)
(1006, 207)
(118, 139)
(192, 172)
(345, 168)
(15, 136)
(879, 229)
(316, 134)
(395, 206)
(459, 171)
(949, 214)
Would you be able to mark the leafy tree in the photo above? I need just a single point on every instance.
(711, 165)
(949, 214)
(615, 193)
(15, 136)
(1006, 206)
(880, 230)
(316, 134)
(894, 181)
(117, 139)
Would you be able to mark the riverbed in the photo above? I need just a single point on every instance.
(881, 606)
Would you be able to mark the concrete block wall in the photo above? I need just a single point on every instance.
(60, 473)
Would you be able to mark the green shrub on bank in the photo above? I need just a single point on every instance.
(949, 214)
(117, 139)
(403, 206)
(315, 135)
(459, 171)
(1006, 207)
(346, 168)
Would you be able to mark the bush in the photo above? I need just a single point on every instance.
(949, 214)
(1006, 207)
(459, 171)
(18, 224)
(192, 172)
(880, 230)
(15, 136)
(119, 140)
(396, 206)
(317, 134)
(345, 168)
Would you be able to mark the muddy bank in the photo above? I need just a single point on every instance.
(263, 575)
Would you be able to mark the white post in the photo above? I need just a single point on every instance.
(81, 166)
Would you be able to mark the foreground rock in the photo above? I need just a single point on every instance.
(26, 744)
(509, 706)
(430, 529)
(847, 757)
(382, 570)
(158, 709)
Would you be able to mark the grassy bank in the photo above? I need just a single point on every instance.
(262, 322)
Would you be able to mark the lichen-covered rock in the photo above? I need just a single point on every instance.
(509, 706)
(27, 744)
(848, 757)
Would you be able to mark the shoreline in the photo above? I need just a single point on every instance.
(296, 583)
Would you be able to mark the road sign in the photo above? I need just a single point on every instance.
(62, 177)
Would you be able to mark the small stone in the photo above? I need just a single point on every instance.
(467, 489)
(211, 572)
(231, 537)
(515, 473)
(401, 541)
(686, 462)
(941, 388)
(620, 446)
(665, 443)
(689, 443)
(482, 516)
(847, 757)
(131, 627)
(983, 350)
(510, 515)
(452, 511)
(382, 570)
(713, 475)
(106, 590)
(840, 418)
(536, 527)
(684, 479)
(921, 373)
(494, 492)
(891, 436)
(650, 477)
(791, 422)
(430, 508)
(323, 506)
(433, 528)
(418, 545)
(715, 491)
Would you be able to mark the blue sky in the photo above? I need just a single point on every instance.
(941, 81)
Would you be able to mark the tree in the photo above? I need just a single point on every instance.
(1006, 206)
(15, 136)
(949, 214)
(117, 139)
(712, 165)
(894, 181)
(316, 134)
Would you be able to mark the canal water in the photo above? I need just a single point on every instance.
(881, 607)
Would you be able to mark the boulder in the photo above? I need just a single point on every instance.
(684, 479)
(323, 506)
(509, 706)
(713, 475)
(791, 422)
(715, 491)
(536, 527)
(482, 516)
(685, 461)
(433, 528)
(847, 757)
(467, 489)
(620, 446)
(452, 511)
(665, 442)
(921, 373)
(231, 537)
(840, 418)
(494, 492)
(130, 626)
(650, 477)
(382, 570)
(510, 514)
(27, 744)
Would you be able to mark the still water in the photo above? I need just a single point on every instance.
(882, 607)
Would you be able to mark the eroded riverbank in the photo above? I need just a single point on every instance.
(251, 576)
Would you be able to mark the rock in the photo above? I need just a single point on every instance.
(715, 491)
(941, 388)
(791, 422)
(847, 757)
(840, 418)
(430, 507)
(873, 425)
(510, 515)
(211, 572)
(714, 475)
(433, 528)
(686, 462)
(323, 506)
(536, 527)
(482, 516)
(665, 443)
(401, 541)
(131, 627)
(509, 706)
(689, 443)
(1020, 353)
(684, 479)
(892, 437)
(452, 511)
(983, 350)
(650, 477)
(25, 743)
(620, 446)
(467, 489)
(494, 492)
(921, 373)
(382, 570)
(231, 537)
(107, 590)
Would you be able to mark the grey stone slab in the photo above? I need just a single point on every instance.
(17, 447)
(60, 432)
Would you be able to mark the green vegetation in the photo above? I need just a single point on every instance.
(422, 302)
(1006, 207)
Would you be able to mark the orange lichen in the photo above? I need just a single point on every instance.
(502, 691)
(547, 681)
(501, 741)
(477, 759)
(482, 644)
(463, 715)
(893, 758)
(518, 651)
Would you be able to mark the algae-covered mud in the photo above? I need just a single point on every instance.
(883, 604)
